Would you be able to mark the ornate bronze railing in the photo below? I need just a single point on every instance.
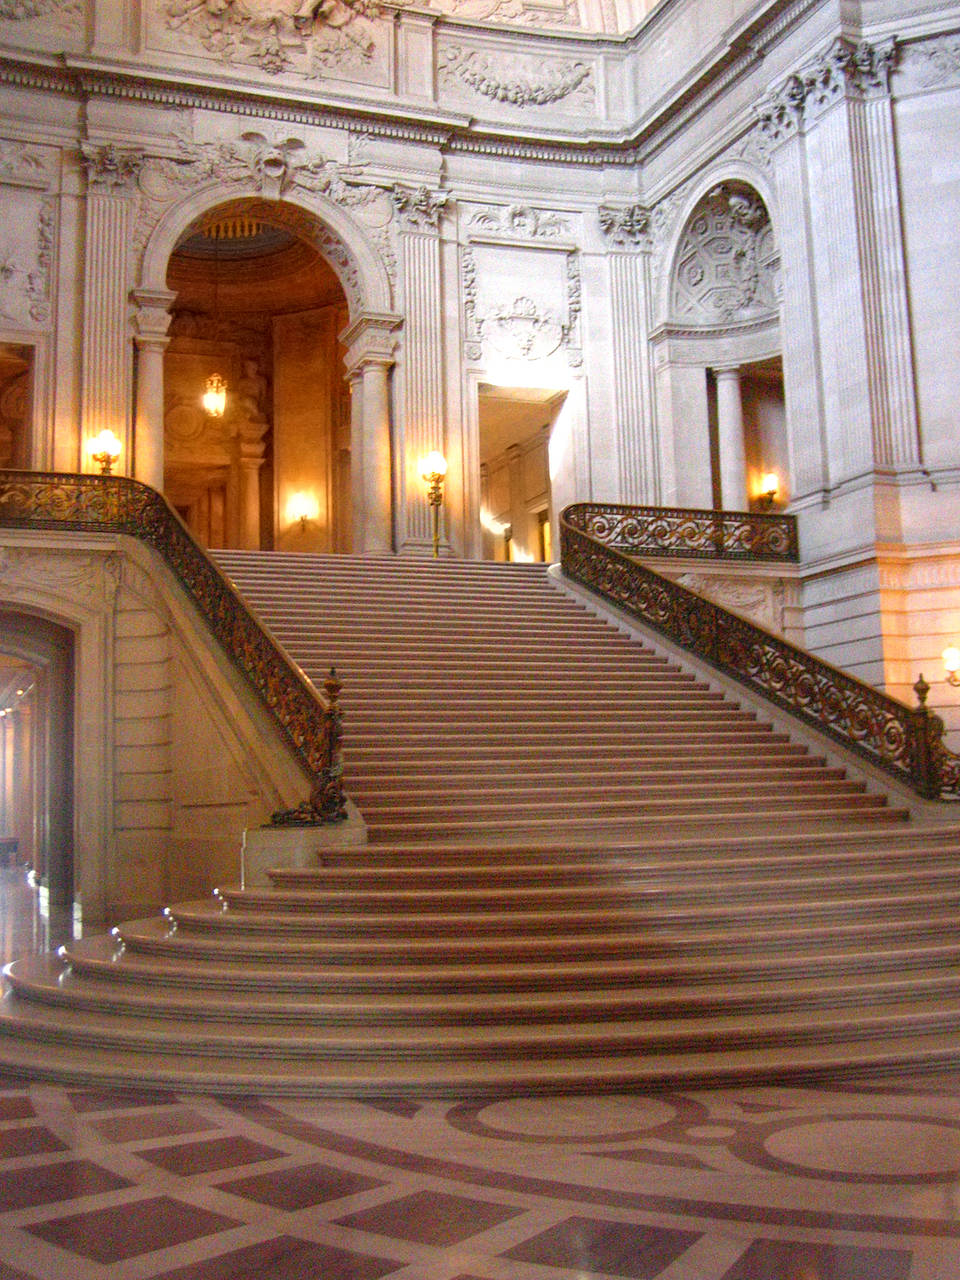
(906, 742)
(116, 504)
(679, 531)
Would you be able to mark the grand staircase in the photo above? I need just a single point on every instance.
(587, 869)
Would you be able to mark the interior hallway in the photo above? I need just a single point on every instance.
(852, 1182)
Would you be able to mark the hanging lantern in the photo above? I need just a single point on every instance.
(214, 399)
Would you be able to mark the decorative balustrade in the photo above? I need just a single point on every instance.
(116, 504)
(906, 742)
(678, 531)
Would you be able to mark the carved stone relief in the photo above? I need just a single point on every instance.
(80, 577)
(521, 327)
(111, 169)
(519, 221)
(841, 68)
(21, 10)
(306, 37)
(517, 80)
(727, 265)
(761, 602)
(23, 165)
(540, 13)
(419, 209)
(26, 251)
(627, 226)
(934, 62)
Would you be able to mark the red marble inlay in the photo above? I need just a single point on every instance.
(792, 1260)
(216, 1153)
(165, 1123)
(127, 1230)
(34, 1140)
(287, 1258)
(15, 1106)
(430, 1217)
(299, 1188)
(50, 1183)
(610, 1248)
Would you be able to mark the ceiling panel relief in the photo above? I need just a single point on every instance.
(310, 39)
(504, 81)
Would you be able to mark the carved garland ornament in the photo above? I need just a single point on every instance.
(531, 85)
(520, 221)
(937, 61)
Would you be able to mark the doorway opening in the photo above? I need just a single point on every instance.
(36, 752)
(260, 308)
(515, 501)
(16, 396)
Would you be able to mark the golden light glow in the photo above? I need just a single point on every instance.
(769, 486)
(104, 451)
(301, 507)
(951, 664)
(214, 398)
(433, 467)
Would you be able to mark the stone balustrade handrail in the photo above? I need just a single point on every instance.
(905, 742)
(689, 531)
(308, 721)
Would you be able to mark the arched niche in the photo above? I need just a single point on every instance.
(718, 357)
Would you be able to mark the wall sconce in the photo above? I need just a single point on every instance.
(214, 398)
(433, 468)
(951, 664)
(769, 487)
(301, 508)
(105, 450)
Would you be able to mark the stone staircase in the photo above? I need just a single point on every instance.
(587, 869)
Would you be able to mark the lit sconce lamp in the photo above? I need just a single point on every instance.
(769, 487)
(433, 468)
(105, 450)
(214, 398)
(951, 664)
(302, 507)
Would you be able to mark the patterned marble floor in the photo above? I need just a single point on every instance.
(853, 1182)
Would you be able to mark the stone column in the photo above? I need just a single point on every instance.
(249, 530)
(371, 342)
(627, 233)
(421, 427)
(150, 337)
(733, 460)
(107, 367)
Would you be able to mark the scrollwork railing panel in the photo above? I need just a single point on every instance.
(906, 742)
(116, 504)
(679, 531)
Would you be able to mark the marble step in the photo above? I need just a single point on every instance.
(790, 958)
(179, 1071)
(49, 980)
(286, 1042)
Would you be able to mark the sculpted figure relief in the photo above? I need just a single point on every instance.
(279, 35)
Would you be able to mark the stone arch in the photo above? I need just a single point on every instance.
(335, 233)
(369, 340)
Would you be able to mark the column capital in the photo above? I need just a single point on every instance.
(152, 317)
(371, 339)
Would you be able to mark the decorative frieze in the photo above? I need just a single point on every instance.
(519, 222)
(27, 238)
(518, 80)
(23, 165)
(307, 37)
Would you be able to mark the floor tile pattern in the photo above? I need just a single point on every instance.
(845, 1183)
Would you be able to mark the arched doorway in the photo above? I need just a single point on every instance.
(36, 751)
(261, 308)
